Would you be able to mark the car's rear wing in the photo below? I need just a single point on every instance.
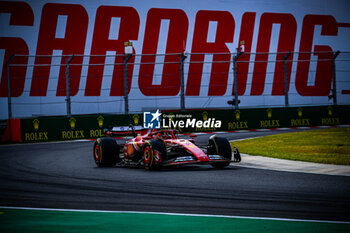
(123, 131)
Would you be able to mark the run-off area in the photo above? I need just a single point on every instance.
(31, 220)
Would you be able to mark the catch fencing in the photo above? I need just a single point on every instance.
(90, 84)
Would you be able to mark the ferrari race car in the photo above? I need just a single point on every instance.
(153, 149)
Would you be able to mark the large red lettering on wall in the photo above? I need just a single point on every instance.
(73, 39)
(323, 77)
(177, 37)
(72, 43)
(286, 42)
(219, 71)
(101, 43)
(21, 15)
(246, 35)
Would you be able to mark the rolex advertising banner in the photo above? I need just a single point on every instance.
(198, 121)
(263, 118)
(73, 128)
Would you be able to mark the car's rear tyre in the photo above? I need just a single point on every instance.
(106, 152)
(154, 153)
(219, 146)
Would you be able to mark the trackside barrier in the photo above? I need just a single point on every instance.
(93, 126)
(13, 131)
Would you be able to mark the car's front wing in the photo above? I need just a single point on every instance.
(183, 160)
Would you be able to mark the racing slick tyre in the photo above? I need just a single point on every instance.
(219, 146)
(106, 152)
(154, 153)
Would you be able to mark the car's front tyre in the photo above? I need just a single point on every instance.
(219, 146)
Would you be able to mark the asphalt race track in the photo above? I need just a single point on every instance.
(64, 175)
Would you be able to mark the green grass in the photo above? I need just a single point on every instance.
(331, 146)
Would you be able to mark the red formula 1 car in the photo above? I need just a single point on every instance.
(154, 149)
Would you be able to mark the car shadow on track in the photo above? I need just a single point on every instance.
(182, 168)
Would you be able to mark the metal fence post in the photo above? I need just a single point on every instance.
(126, 88)
(9, 101)
(68, 101)
(235, 78)
(285, 76)
(334, 90)
(182, 80)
